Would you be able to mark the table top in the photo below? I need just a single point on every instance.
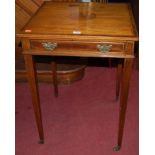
(84, 19)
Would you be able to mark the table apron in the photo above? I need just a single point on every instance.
(74, 54)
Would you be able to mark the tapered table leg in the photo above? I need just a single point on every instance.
(118, 79)
(127, 69)
(31, 72)
(55, 82)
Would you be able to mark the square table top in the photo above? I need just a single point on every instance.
(84, 19)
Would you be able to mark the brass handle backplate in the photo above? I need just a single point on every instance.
(104, 48)
(50, 46)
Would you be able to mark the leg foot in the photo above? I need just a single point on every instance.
(116, 148)
(41, 141)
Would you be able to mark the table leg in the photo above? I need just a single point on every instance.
(55, 82)
(118, 79)
(127, 69)
(32, 78)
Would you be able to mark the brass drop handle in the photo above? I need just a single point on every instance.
(49, 46)
(104, 48)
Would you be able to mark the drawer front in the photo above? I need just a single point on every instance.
(73, 48)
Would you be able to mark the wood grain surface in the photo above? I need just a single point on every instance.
(93, 19)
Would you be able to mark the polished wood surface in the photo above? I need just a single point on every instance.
(106, 30)
(84, 18)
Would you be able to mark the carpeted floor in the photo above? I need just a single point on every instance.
(83, 120)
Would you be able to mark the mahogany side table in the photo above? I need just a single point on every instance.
(80, 30)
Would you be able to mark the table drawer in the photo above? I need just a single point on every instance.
(75, 48)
